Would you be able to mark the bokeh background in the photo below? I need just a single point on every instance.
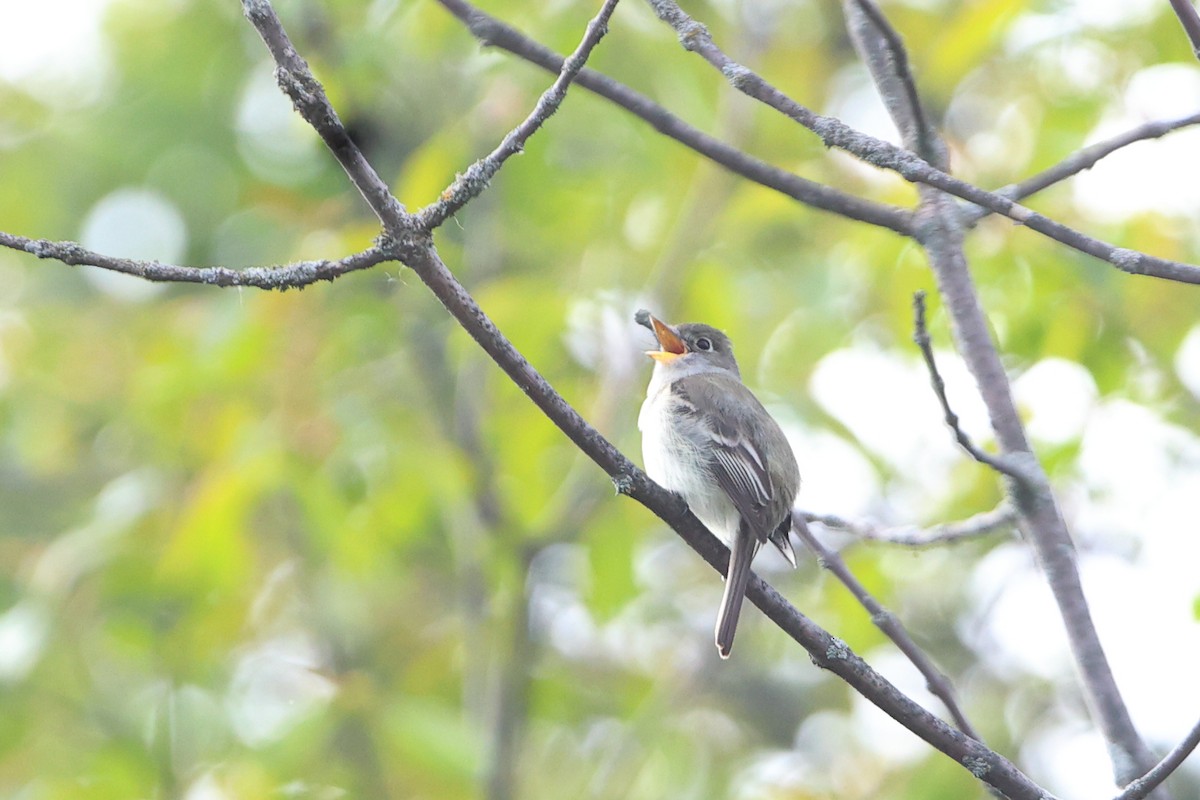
(315, 545)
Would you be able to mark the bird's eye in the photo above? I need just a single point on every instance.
(704, 343)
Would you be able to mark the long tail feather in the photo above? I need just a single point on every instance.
(779, 537)
(745, 545)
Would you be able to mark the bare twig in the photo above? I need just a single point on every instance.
(475, 179)
(825, 650)
(1031, 493)
(1190, 21)
(1085, 159)
(929, 145)
(921, 337)
(493, 32)
(1141, 787)
(1040, 517)
(406, 242)
(936, 681)
(884, 155)
(308, 96)
(291, 276)
(982, 524)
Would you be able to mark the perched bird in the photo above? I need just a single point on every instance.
(706, 437)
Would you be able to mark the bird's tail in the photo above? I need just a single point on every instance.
(779, 537)
(745, 545)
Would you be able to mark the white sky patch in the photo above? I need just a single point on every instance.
(834, 476)
(1072, 761)
(56, 49)
(24, 629)
(874, 729)
(1145, 477)
(1056, 396)
(1130, 453)
(274, 687)
(1110, 14)
(133, 223)
(1138, 552)
(1149, 621)
(888, 404)
(1013, 623)
(1145, 176)
(275, 142)
(1187, 361)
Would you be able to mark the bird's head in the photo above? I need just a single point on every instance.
(689, 347)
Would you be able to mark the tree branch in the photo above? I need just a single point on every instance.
(884, 155)
(897, 79)
(407, 242)
(493, 32)
(1190, 21)
(1084, 159)
(826, 651)
(1032, 496)
(1040, 516)
(292, 276)
(470, 183)
(1144, 785)
(935, 680)
(921, 337)
(981, 524)
(308, 96)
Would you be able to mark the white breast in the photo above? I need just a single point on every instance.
(673, 460)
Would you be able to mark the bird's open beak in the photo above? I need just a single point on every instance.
(670, 345)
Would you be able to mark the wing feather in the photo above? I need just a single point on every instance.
(735, 459)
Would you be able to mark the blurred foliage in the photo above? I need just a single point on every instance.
(313, 544)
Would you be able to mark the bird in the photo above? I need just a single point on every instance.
(707, 438)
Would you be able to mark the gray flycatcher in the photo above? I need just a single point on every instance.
(706, 437)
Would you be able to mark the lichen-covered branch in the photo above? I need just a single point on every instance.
(825, 650)
(981, 524)
(491, 31)
(1040, 517)
(884, 155)
(470, 183)
(290, 276)
(1144, 785)
(935, 680)
(1085, 159)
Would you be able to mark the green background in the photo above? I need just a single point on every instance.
(314, 544)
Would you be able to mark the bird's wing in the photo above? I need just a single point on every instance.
(735, 458)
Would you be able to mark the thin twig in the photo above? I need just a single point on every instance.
(935, 680)
(1041, 518)
(416, 251)
(826, 651)
(308, 96)
(1084, 159)
(475, 179)
(921, 337)
(291, 276)
(1032, 495)
(974, 527)
(929, 145)
(1141, 787)
(1190, 21)
(884, 155)
(491, 31)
